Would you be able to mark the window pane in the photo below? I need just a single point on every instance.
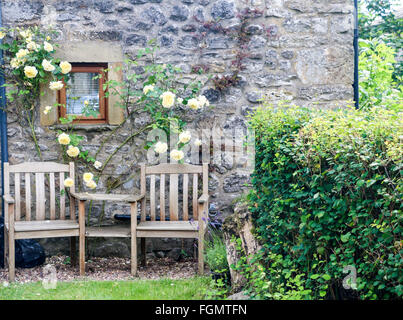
(81, 87)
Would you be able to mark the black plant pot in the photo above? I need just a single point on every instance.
(224, 276)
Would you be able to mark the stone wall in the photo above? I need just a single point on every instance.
(306, 58)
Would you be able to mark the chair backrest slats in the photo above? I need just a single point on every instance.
(52, 196)
(173, 197)
(62, 197)
(17, 197)
(162, 197)
(179, 176)
(72, 202)
(40, 195)
(143, 190)
(44, 184)
(195, 193)
(185, 197)
(27, 196)
(152, 197)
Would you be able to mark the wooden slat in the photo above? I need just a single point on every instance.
(168, 225)
(6, 189)
(106, 197)
(40, 195)
(62, 197)
(39, 167)
(152, 197)
(17, 196)
(172, 168)
(185, 197)
(47, 234)
(166, 234)
(45, 225)
(195, 188)
(173, 197)
(27, 196)
(143, 191)
(108, 232)
(52, 196)
(162, 197)
(205, 178)
(72, 203)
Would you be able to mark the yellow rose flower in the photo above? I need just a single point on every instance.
(160, 147)
(177, 154)
(197, 142)
(26, 33)
(184, 136)
(73, 151)
(55, 85)
(47, 46)
(148, 88)
(30, 72)
(168, 99)
(47, 109)
(68, 182)
(91, 184)
(48, 38)
(65, 66)
(21, 53)
(47, 66)
(64, 139)
(193, 104)
(32, 46)
(2, 35)
(87, 177)
(15, 63)
(203, 101)
(97, 165)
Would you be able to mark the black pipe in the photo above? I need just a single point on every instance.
(356, 79)
(3, 122)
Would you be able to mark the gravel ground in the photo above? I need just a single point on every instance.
(106, 269)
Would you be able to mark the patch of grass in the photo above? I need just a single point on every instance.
(164, 289)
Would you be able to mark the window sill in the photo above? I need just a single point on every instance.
(84, 127)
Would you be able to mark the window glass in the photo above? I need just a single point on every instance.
(82, 87)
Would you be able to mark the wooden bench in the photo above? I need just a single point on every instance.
(21, 222)
(180, 224)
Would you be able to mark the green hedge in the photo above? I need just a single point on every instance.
(327, 193)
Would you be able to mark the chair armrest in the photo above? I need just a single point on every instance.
(204, 198)
(8, 198)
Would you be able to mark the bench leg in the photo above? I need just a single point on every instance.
(11, 257)
(73, 249)
(143, 252)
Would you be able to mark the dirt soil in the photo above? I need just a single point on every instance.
(106, 269)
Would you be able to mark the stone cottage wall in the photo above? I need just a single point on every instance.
(306, 58)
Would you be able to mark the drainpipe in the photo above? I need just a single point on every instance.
(3, 122)
(356, 80)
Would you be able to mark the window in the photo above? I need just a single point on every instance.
(83, 87)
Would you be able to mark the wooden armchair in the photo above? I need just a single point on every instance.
(179, 224)
(21, 222)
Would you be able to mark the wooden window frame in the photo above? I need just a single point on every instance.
(103, 100)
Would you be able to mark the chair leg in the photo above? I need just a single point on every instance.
(133, 225)
(5, 246)
(201, 254)
(73, 249)
(81, 214)
(11, 257)
(143, 252)
(134, 255)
